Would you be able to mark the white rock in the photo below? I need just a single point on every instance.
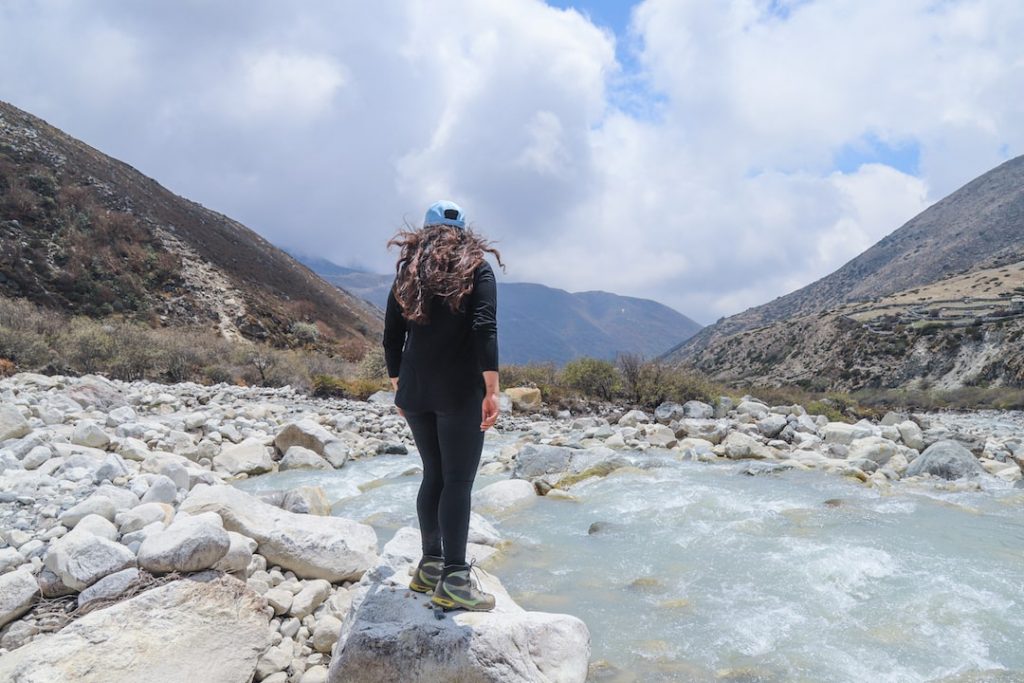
(143, 515)
(88, 433)
(911, 434)
(314, 547)
(279, 599)
(190, 544)
(311, 596)
(98, 526)
(18, 590)
(872, 448)
(239, 553)
(843, 433)
(188, 630)
(13, 424)
(739, 445)
(298, 458)
(753, 408)
(80, 559)
(325, 635)
(36, 457)
(10, 559)
(504, 496)
(633, 418)
(249, 457)
(305, 433)
(93, 505)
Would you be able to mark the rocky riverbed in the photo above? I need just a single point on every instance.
(131, 542)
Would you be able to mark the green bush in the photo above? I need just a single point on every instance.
(306, 333)
(591, 376)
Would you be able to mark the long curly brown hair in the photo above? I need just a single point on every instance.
(437, 260)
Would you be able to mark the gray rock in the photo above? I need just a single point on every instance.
(18, 590)
(668, 411)
(873, 448)
(382, 398)
(387, 636)
(698, 410)
(771, 425)
(911, 435)
(946, 459)
(204, 628)
(534, 460)
(97, 526)
(161, 490)
(109, 587)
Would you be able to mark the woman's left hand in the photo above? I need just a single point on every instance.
(489, 412)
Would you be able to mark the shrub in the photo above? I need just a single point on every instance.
(337, 387)
(7, 367)
(307, 333)
(372, 365)
(591, 376)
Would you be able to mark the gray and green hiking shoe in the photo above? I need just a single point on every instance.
(455, 590)
(426, 574)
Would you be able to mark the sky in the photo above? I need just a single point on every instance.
(709, 155)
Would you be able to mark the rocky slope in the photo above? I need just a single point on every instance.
(979, 225)
(965, 330)
(537, 323)
(81, 232)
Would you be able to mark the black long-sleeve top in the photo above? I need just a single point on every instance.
(439, 365)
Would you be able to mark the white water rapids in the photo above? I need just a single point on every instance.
(696, 572)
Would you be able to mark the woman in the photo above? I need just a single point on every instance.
(441, 351)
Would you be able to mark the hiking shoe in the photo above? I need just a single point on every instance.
(426, 574)
(455, 590)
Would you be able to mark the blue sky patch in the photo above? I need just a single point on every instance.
(904, 156)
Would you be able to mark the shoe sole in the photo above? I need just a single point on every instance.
(419, 587)
(447, 604)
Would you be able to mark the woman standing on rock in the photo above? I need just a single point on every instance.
(441, 351)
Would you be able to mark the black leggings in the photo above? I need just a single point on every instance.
(450, 444)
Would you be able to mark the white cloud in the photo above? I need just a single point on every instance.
(323, 125)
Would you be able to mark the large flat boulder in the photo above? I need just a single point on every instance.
(204, 628)
(389, 634)
(314, 547)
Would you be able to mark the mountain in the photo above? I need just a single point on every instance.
(982, 222)
(87, 234)
(537, 323)
(939, 302)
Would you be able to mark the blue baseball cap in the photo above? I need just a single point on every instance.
(445, 213)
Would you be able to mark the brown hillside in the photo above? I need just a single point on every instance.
(84, 233)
